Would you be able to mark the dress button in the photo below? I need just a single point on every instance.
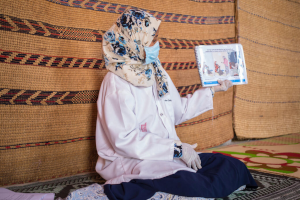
(161, 114)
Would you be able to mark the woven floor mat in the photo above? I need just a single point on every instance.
(279, 155)
(271, 186)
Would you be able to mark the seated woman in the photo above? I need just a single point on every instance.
(138, 108)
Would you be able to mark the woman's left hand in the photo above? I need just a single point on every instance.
(190, 156)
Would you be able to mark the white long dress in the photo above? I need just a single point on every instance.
(135, 129)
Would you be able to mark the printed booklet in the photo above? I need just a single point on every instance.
(224, 61)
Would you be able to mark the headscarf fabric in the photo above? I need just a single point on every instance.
(123, 49)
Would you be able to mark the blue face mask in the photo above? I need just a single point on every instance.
(151, 53)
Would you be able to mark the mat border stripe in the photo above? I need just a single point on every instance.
(47, 98)
(267, 45)
(204, 120)
(269, 74)
(47, 143)
(189, 89)
(265, 102)
(22, 58)
(38, 28)
(32, 27)
(103, 6)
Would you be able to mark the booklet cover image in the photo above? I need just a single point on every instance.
(221, 62)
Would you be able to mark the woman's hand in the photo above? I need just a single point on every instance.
(190, 156)
(224, 85)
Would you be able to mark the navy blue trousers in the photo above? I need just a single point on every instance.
(219, 177)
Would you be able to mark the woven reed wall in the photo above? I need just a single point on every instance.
(270, 34)
(51, 71)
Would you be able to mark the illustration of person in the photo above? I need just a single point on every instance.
(206, 70)
(217, 69)
(226, 65)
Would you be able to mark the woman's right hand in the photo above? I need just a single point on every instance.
(224, 85)
(190, 156)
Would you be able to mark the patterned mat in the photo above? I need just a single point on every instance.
(280, 155)
(270, 187)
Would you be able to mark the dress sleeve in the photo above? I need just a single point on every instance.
(190, 106)
(118, 119)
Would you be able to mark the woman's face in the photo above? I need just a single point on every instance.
(155, 39)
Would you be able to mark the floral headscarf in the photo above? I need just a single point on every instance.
(123, 48)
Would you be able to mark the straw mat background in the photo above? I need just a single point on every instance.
(270, 34)
(51, 71)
